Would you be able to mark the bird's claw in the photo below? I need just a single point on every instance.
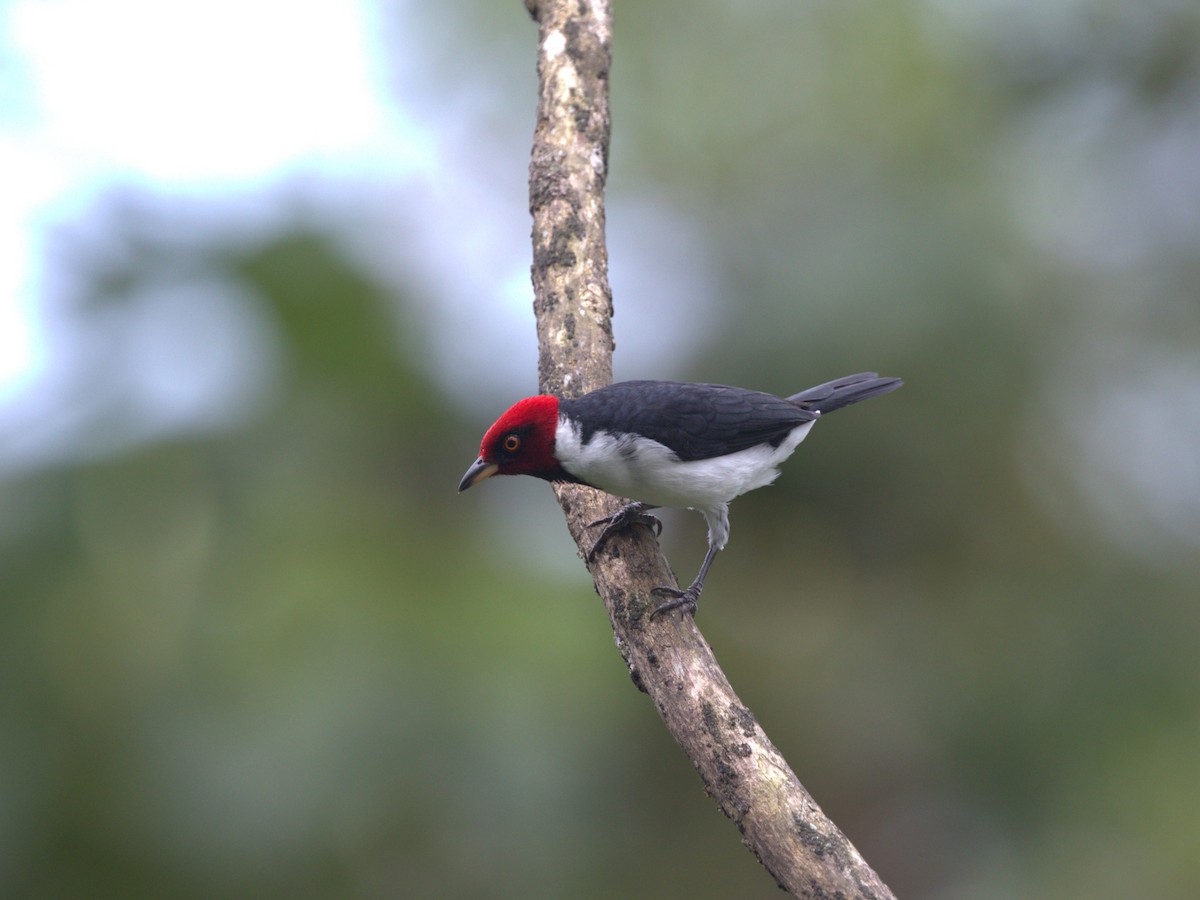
(635, 514)
(685, 600)
(626, 516)
(630, 514)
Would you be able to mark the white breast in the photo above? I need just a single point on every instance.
(642, 469)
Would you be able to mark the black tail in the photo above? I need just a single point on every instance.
(825, 398)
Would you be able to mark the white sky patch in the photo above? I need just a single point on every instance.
(225, 97)
(185, 92)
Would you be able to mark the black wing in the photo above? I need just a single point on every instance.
(697, 421)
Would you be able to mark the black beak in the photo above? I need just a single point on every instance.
(480, 469)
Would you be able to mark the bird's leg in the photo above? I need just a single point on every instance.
(629, 514)
(685, 599)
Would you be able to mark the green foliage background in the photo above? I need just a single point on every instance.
(274, 654)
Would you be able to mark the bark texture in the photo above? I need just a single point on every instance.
(667, 658)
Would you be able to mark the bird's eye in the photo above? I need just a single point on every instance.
(512, 443)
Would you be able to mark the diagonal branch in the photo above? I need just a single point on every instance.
(668, 658)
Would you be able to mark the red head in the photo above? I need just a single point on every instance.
(520, 443)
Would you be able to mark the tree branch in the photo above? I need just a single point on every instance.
(667, 658)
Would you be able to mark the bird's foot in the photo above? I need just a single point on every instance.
(629, 514)
(685, 600)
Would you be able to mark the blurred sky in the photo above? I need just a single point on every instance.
(176, 98)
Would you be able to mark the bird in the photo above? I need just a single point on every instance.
(663, 444)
